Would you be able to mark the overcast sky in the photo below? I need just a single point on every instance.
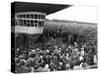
(76, 13)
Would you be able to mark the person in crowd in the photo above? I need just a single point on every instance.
(59, 55)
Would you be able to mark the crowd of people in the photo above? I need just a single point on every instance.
(56, 55)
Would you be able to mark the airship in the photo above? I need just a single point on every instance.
(28, 19)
